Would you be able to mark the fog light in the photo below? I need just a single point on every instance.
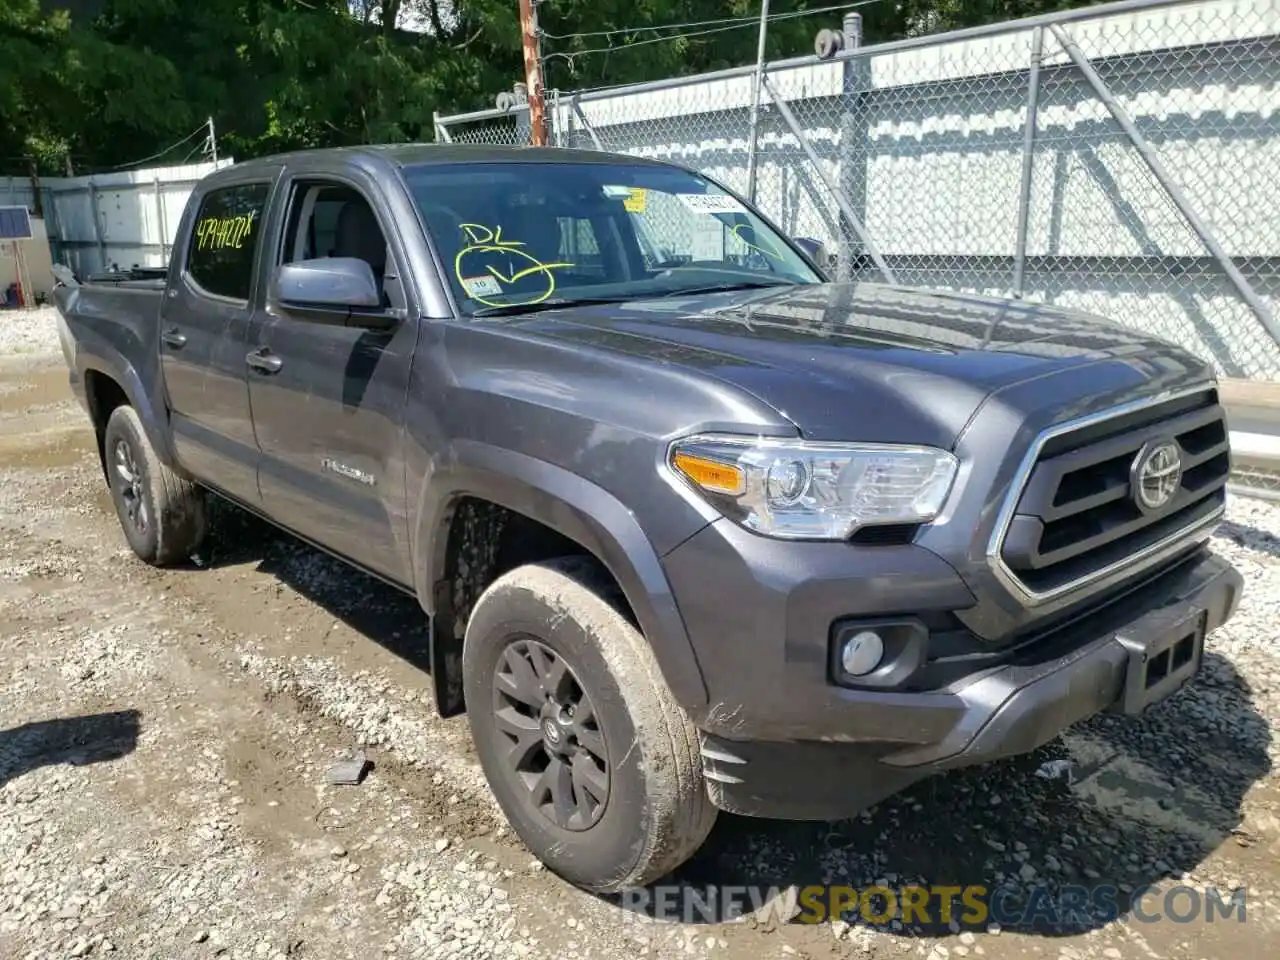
(862, 653)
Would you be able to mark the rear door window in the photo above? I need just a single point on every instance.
(224, 240)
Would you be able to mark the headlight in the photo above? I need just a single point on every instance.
(815, 491)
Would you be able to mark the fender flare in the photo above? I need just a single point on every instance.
(577, 509)
(119, 370)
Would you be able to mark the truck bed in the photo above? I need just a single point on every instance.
(117, 315)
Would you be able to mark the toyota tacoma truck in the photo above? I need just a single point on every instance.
(695, 528)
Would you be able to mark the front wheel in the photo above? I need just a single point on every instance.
(591, 759)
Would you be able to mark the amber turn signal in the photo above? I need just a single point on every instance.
(711, 475)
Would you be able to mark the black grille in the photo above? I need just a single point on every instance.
(1078, 512)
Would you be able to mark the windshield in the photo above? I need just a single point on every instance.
(520, 234)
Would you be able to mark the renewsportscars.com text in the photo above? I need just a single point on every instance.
(938, 906)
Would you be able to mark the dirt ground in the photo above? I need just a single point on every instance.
(164, 738)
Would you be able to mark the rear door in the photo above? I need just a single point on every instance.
(328, 401)
(205, 318)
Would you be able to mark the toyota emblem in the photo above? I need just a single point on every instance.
(1157, 474)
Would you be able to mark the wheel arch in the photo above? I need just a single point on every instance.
(457, 545)
(107, 386)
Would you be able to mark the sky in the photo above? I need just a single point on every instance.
(410, 18)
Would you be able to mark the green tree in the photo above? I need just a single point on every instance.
(114, 82)
(35, 59)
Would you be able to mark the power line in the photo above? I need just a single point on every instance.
(667, 26)
(737, 22)
(571, 56)
(201, 148)
(156, 156)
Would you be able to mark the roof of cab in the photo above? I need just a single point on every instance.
(412, 154)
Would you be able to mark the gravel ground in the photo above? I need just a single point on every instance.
(28, 333)
(164, 737)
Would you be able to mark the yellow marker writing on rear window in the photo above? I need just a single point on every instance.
(222, 233)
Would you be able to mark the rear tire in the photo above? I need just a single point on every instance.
(161, 514)
(611, 727)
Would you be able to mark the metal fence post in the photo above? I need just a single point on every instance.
(53, 226)
(846, 207)
(586, 124)
(1121, 116)
(97, 226)
(524, 118)
(753, 128)
(551, 117)
(160, 224)
(1028, 159)
(442, 131)
(853, 143)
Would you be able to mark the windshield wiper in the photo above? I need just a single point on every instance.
(737, 285)
(552, 303)
(560, 303)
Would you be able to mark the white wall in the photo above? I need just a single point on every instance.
(16, 192)
(136, 213)
(36, 274)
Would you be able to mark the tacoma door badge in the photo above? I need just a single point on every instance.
(351, 473)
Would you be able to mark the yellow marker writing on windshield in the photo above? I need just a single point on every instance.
(488, 240)
(772, 254)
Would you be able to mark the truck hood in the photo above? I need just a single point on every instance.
(861, 361)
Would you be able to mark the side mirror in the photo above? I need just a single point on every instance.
(815, 249)
(339, 290)
(328, 282)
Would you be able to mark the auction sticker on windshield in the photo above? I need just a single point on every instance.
(711, 203)
(481, 286)
(633, 198)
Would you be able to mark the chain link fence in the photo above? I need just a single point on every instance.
(506, 129)
(1255, 481)
(1120, 160)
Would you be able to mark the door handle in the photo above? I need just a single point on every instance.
(264, 362)
(174, 339)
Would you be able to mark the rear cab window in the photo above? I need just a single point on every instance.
(224, 240)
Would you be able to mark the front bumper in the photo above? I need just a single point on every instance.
(1125, 658)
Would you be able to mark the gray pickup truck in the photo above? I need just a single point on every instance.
(695, 528)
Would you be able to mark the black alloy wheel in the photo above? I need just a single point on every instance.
(552, 738)
(130, 485)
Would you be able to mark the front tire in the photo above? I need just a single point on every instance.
(161, 514)
(591, 759)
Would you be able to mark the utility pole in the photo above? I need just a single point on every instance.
(853, 145)
(755, 102)
(533, 73)
(213, 141)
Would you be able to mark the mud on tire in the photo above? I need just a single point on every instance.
(657, 812)
(161, 514)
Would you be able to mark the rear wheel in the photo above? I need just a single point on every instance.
(161, 514)
(592, 760)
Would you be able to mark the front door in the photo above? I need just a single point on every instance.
(205, 318)
(328, 401)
